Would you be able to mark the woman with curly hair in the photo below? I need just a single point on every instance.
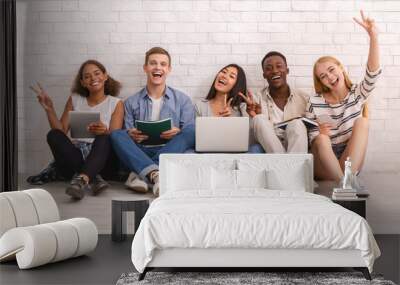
(83, 159)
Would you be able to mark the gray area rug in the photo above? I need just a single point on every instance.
(243, 278)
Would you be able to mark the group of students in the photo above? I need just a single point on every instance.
(87, 161)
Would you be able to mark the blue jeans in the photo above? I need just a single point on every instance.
(256, 148)
(144, 160)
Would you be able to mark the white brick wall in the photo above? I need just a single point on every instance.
(54, 37)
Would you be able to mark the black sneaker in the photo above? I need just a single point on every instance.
(77, 187)
(48, 174)
(98, 185)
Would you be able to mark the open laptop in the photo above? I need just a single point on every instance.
(222, 134)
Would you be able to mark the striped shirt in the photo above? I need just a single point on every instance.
(345, 113)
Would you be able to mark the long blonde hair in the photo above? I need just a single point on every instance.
(319, 87)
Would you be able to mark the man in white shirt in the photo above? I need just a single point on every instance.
(280, 102)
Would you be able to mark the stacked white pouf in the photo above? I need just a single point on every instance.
(31, 230)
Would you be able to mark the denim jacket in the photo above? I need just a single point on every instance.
(176, 105)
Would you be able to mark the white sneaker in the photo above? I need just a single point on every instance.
(135, 183)
(156, 184)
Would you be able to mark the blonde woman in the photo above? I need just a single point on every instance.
(337, 106)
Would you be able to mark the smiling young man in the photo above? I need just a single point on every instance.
(280, 102)
(156, 101)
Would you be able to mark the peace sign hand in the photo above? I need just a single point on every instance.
(367, 23)
(42, 96)
(253, 108)
(227, 110)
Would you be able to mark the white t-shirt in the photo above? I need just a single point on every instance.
(106, 109)
(156, 108)
(277, 117)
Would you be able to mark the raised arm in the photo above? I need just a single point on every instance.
(252, 107)
(47, 104)
(373, 56)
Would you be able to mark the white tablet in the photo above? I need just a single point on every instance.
(79, 121)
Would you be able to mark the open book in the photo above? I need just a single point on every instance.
(308, 122)
(153, 129)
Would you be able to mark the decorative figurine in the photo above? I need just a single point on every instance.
(348, 175)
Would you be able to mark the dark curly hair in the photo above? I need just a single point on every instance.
(240, 86)
(111, 86)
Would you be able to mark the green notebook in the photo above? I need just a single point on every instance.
(153, 129)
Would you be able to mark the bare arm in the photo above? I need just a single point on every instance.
(53, 120)
(47, 104)
(373, 56)
(65, 116)
(117, 118)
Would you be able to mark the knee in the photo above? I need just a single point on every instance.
(102, 139)
(188, 130)
(188, 134)
(53, 135)
(361, 123)
(117, 134)
(297, 127)
(117, 137)
(259, 119)
(321, 140)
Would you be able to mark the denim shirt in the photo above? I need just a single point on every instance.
(176, 105)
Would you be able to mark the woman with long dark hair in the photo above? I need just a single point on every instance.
(83, 159)
(225, 98)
